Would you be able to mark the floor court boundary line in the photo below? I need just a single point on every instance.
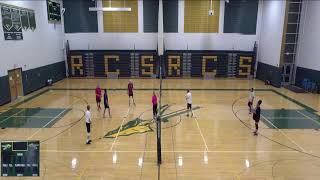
(12, 115)
(31, 116)
(308, 117)
(203, 139)
(124, 118)
(154, 151)
(285, 134)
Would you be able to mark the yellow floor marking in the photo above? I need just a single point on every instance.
(123, 120)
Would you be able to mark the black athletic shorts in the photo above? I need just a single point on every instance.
(189, 106)
(88, 125)
(256, 118)
(249, 103)
(106, 106)
(155, 109)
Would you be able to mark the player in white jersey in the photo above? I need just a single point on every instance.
(88, 124)
(189, 102)
(251, 98)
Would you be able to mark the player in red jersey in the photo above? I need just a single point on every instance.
(98, 96)
(130, 92)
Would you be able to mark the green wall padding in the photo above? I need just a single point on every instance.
(5, 96)
(270, 73)
(35, 79)
(312, 75)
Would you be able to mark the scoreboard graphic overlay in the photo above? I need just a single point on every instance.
(20, 158)
(177, 64)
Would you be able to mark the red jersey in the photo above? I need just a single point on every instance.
(98, 93)
(130, 88)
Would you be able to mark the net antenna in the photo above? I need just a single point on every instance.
(160, 57)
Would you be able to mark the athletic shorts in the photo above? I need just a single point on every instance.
(256, 118)
(155, 109)
(106, 106)
(131, 95)
(189, 106)
(98, 99)
(249, 103)
(88, 125)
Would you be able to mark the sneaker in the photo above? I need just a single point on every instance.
(88, 142)
(255, 133)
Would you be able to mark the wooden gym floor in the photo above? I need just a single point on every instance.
(217, 143)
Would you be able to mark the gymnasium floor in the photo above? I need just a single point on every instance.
(215, 144)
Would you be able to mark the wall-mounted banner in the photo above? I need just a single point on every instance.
(11, 23)
(32, 20)
(24, 19)
(16, 23)
(54, 14)
(14, 19)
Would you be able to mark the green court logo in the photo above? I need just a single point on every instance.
(139, 126)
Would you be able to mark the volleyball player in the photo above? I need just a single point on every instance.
(154, 105)
(130, 92)
(98, 96)
(189, 102)
(88, 124)
(256, 117)
(251, 98)
(106, 103)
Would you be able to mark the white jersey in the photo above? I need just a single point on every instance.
(88, 116)
(251, 96)
(189, 98)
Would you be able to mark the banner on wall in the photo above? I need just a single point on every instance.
(11, 23)
(24, 19)
(54, 11)
(32, 20)
(14, 19)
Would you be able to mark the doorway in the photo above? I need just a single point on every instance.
(15, 83)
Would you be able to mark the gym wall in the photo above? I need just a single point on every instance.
(178, 31)
(39, 53)
(308, 63)
(269, 47)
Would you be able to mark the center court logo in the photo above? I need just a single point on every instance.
(139, 126)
